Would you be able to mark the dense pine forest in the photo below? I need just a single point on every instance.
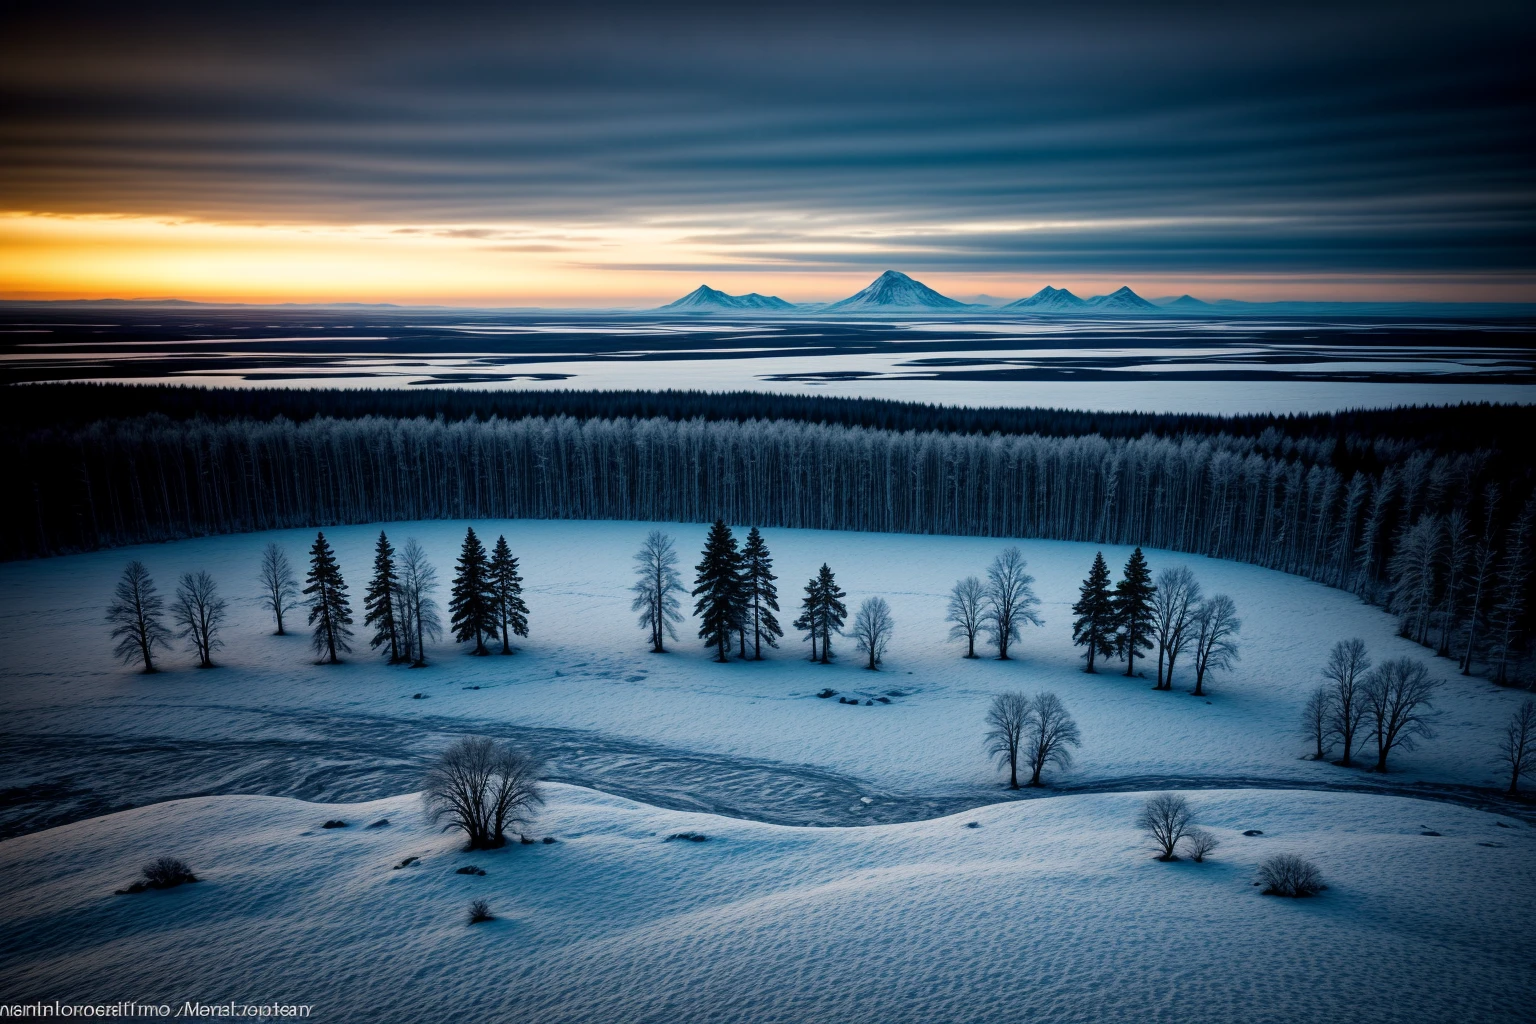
(1431, 530)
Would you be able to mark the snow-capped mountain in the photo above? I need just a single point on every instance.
(1121, 300)
(1187, 303)
(705, 298)
(895, 290)
(1049, 299)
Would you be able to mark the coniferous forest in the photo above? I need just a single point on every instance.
(1394, 518)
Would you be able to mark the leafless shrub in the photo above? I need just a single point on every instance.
(1286, 874)
(480, 911)
(1166, 819)
(482, 788)
(167, 873)
(1200, 843)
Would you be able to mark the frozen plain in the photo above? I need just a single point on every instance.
(1049, 909)
(586, 666)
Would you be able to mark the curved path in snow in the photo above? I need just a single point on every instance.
(59, 777)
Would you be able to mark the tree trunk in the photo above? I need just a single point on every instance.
(970, 651)
(1013, 771)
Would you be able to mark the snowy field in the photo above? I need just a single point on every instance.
(1047, 910)
(585, 675)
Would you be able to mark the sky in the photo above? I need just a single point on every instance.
(622, 154)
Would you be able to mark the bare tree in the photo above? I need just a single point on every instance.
(1517, 750)
(1174, 602)
(1317, 721)
(134, 615)
(1345, 673)
(482, 788)
(1166, 819)
(1051, 732)
(872, 628)
(1216, 626)
(279, 586)
(418, 608)
(1398, 701)
(199, 612)
(657, 588)
(1010, 600)
(1010, 718)
(967, 606)
(1200, 843)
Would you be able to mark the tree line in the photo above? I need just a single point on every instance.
(486, 604)
(1269, 500)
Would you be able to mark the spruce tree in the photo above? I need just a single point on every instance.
(760, 596)
(507, 590)
(379, 609)
(1094, 627)
(1132, 605)
(329, 612)
(808, 623)
(830, 610)
(718, 588)
(472, 605)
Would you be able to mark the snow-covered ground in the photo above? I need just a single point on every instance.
(586, 666)
(1047, 910)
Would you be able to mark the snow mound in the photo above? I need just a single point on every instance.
(1047, 910)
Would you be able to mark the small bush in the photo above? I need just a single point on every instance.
(167, 873)
(334, 823)
(470, 869)
(1289, 875)
(480, 911)
(828, 692)
(1199, 842)
(692, 837)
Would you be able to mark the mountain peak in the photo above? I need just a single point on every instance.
(1122, 299)
(704, 299)
(895, 290)
(1049, 298)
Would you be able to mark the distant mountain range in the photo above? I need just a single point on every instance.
(895, 292)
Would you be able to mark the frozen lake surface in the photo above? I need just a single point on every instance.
(1162, 363)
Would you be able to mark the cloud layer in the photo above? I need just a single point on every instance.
(1104, 139)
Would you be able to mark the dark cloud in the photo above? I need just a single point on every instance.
(1299, 137)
